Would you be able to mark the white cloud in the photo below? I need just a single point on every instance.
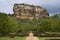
(2, 0)
(48, 4)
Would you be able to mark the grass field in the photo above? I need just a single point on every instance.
(15, 38)
(23, 38)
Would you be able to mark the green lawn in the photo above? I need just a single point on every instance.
(23, 38)
(43, 38)
(15, 38)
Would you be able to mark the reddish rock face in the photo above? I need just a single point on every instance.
(25, 11)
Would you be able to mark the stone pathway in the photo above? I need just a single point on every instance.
(31, 37)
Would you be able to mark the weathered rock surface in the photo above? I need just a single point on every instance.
(25, 11)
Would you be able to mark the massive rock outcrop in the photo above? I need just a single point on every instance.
(25, 11)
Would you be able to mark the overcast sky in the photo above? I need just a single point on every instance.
(52, 6)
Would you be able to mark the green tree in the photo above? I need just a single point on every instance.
(12, 24)
(7, 24)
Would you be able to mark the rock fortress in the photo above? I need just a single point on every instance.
(26, 11)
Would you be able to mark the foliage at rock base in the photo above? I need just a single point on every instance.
(10, 24)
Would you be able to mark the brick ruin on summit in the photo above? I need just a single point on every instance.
(25, 11)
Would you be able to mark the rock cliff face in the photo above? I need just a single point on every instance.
(25, 11)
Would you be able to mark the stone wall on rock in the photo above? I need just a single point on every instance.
(25, 11)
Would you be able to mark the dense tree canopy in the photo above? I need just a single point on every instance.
(10, 24)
